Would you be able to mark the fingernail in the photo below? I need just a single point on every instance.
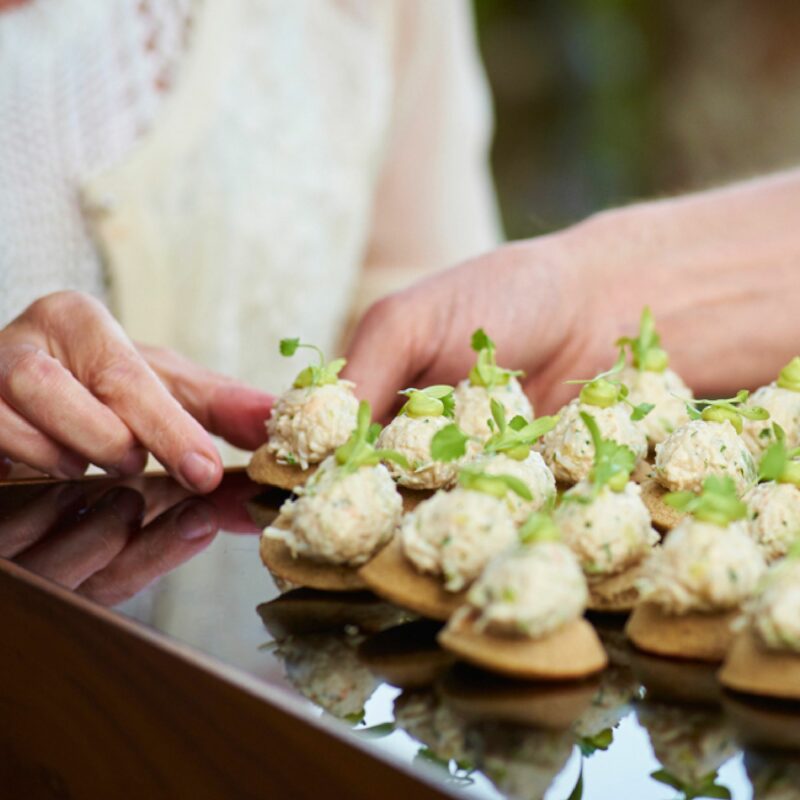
(133, 463)
(199, 472)
(127, 504)
(196, 521)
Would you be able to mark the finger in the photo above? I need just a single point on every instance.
(70, 556)
(167, 542)
(106, 363)
(42, 391)
(20, 441)
(225, 407)
(25, 526)
(229, 501)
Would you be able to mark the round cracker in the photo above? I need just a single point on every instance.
(753, 668)
(265, 468)
(693, 636)
(642, 471)
(304, 611)
(413, 497)
(664, 517)
(573, 651)
(392, 576)
(407, 656)
(299, 571)
(477, 695)
(616, 594)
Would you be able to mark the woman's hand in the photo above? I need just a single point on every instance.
(719, 270)
(75, 390)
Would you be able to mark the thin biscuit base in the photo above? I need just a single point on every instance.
(642, 471)
(752, 668)
(266, 469)
(617, 594)
(299, 571)
(406, 656)
(392, 576)
(573, 651)
(671, 681)
(555, 706)
(413, 497)
(664, 517)
(693, 636)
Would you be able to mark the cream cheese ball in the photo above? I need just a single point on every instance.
(532, 471)
(455, 534)
(411, 437)
(610, 532)
(703, 567)
(308, 424)
(774, 517)
(341, 518)
(784, 409)
(666, 391)
(473, 405)
(568, 448)
(529, 591)
(776, 611)
(699, 449)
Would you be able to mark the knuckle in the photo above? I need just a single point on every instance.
(29, 371)
(116, 378)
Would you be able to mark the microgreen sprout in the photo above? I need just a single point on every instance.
(433, 401)
(514, 438)
(449, 443)
(706, 786)
(603, 391)
(779, 463)
(495, 485)
(539, 527)
(789, 376)
(359, 450)
(486, 373)
(718, 503)
(314, 374)
(646, 352)
(732, 409)
(613, 462)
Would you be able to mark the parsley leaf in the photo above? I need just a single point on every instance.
(613, 462)
(315, 374)
(495, 485)
(718, 502)
(449, 443)
(359, 450)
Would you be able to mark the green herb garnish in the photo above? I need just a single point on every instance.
(730, 408)
(433, 401)
(718, 503)
(360, 451)
(789, 376)
(495, 485)
(539, 527)
(707, 786)
(514, 438)
(613, 462)
(449, 443)
(486, 373)
(602, 392)
(313, 375)
(600, 741)
(646, 352)
(779, 463)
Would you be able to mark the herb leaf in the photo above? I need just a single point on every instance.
(646, 352)
(613, 462)
(485, 372)
(433, 401)
(718, 503)
(789, 376)
(495, 485)
(315, 374)
(449, 443)
(539, 527)
(359, 450)
(514, 439)
(732, 409)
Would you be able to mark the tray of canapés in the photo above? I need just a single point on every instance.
(636, 500)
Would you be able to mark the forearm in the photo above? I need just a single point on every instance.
(721, 270)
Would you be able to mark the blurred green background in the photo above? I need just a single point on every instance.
(603, 102)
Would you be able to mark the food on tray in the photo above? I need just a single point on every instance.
(695, 583)
(709, 444)
(425, 413)
(606, 524)
(781, 399)
(506, 452)
(347, 511)
(523, 616)
(308, 422)
(650, 381)
(444, 544)
(568, 448)
(774, 505)
(765, 657)
(487, 382)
